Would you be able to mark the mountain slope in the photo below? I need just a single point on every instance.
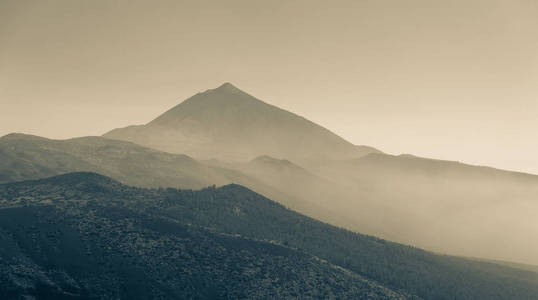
(227, 123)
(30, 157)
(84, 236)
(162, 231)
(444, 206)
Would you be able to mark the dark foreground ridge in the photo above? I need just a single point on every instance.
(83, 235)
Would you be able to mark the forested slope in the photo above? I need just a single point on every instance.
(233, 218)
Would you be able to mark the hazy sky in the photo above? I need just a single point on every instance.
(444, 79)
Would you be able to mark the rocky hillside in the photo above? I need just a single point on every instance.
(83, 236)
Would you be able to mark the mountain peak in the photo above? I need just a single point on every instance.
(229, 124)
(206, 107)
(228, 87)
(21, 136)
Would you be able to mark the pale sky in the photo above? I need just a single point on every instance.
(443, 79)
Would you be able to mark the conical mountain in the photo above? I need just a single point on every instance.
(227, 123)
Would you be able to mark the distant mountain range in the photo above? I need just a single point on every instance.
(86, 236)
(224, 136)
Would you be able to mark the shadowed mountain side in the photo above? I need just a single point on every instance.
(219, 234)
(229, 124)
(84, 236)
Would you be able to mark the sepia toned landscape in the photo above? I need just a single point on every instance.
(268, 150)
